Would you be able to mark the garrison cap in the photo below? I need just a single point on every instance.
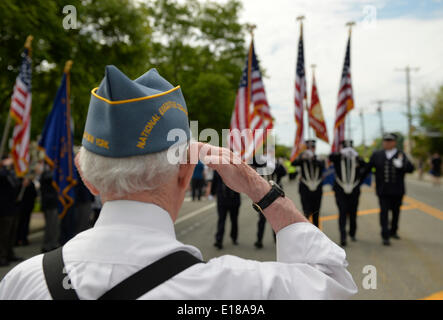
(310, 143)
(133, 117)
(390, 136)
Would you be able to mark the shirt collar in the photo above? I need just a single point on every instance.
(390, 153)
(136, 214)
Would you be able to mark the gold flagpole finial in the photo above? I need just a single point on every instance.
(350, 24)
(28, 42)
(251, 28)
(313, 66)
(300, 18)
(68, 66)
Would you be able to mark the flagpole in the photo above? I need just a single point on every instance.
(304, 102)
(350, 24)
(28, 46)
(250, 28)
(67, 70)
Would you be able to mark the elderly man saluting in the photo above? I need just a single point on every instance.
(132, 251)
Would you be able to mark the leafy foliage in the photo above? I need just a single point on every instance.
(198, 45)
(430, 139)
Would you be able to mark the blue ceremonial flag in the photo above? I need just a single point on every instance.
(368, 179)
(329, 177)
(57, 143)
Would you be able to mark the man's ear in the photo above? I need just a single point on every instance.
(88, 185)
(185, 172)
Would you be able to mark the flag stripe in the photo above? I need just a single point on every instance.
(251, 109)
(299, 96)
(345, 100)
(20, 110)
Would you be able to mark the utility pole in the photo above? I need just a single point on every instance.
(380, 114)
(408, 70)
(363, 137)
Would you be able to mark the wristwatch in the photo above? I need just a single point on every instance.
(269, 198)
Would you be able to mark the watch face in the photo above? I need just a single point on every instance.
(277, 187)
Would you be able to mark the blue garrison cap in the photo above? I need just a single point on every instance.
(133, 117)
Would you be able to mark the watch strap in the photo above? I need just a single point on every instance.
(270, 197)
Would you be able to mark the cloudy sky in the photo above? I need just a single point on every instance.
(388, 35)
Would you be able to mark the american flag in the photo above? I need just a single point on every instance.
(300, 96)
(251, 110)
(345, 100)
(21, 112)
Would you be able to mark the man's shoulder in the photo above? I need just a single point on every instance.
(24, 281)
(378, 154)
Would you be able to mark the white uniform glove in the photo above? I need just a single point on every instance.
(398, 162)
(349, 152)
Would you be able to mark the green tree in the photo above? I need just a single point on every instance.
(196, 44)
(109, 32)
(429, 137)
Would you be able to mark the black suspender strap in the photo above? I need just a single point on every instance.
(151, 276)
(131, 288)
(57, 277)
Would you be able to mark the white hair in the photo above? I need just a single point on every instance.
(122, 176)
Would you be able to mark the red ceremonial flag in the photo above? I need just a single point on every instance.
(251, 110)
(316, 119)
(345, 100)
(300, 96)
(21, 112)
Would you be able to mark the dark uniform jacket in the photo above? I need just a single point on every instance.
(225, 196)
(9, 190)
(310, 169)
(49, 196)
(389, 179)
(82, 193)
(341, 161)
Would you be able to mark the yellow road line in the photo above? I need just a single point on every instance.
(364, 212)
(435, 296)
(425, 208)
(331, 193)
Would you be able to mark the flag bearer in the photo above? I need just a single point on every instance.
(310, 186)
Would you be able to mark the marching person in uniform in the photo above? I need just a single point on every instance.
(198, 181)
(9, 191)
(129, 158)
(261, 163)
(311, 178)
(228, 201)
(390, 165)
(49, 203)
(349, 168)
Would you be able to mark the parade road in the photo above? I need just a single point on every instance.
(411, 268)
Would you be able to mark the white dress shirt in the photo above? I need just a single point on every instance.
(130, 235)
